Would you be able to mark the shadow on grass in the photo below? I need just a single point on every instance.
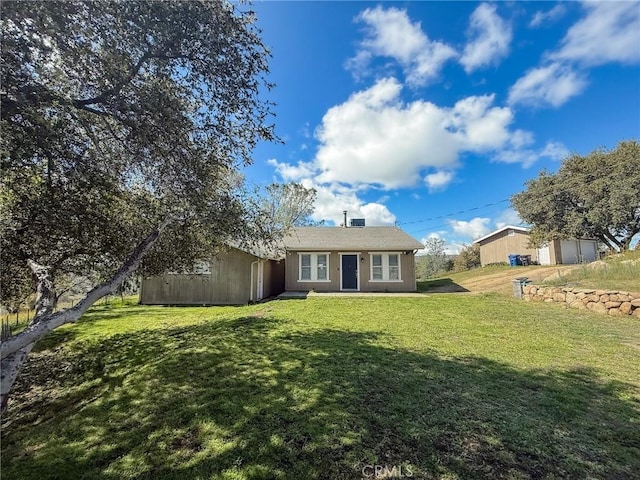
(250, 398)
(440, 285)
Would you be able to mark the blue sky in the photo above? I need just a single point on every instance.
(430, 115)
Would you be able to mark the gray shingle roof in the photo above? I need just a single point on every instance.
(351, 238)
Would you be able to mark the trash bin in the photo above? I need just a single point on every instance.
(513, 260)
(518, 285)
(525, 260)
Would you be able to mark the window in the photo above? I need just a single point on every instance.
(511, 233)
(314, 267)
(394, 267)
(377, 271)
(385, 267)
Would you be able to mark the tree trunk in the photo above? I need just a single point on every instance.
(14, 351)
(613, 241)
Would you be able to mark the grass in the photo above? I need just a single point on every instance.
(444, 386)
(617, 272)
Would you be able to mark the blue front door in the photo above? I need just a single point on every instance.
(349, 272)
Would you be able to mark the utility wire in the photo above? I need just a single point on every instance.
(550, 194)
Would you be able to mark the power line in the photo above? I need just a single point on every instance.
(454, 213)
(549, 194)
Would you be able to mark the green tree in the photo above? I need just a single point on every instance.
(468, 258)
(288, 205)
(124, 126)
(597, 195)
(433, 260)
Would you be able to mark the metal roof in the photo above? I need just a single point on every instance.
(506, 227)
(350, 239)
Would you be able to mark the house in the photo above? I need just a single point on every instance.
(234, 277)
(509, 240)
(353, 258)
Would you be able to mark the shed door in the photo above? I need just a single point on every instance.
(544, 258)
(588, 250)
(349, 271)
(569, 252)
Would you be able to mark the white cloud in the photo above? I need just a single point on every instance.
(555, 151)
(527, 157)
(391, 33)
(293, 172)
(610, 32)
(375, 138)
(474, 228)
(542, 19)
(332, 199)
(438, 180)
(450, 247)
(490, 39)
(553, 84)
(477, 125)
(508, 217)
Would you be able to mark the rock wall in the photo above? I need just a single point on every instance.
(602, 301)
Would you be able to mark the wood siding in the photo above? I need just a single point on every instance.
(407, 274)
(229, 283)
(497, 248)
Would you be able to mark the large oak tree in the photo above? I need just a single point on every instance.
(595, 195)
(124, 128)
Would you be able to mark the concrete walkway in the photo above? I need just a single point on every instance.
(307, 294)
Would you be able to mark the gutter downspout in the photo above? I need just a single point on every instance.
(251, 292)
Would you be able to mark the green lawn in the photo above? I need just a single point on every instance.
(444, 386)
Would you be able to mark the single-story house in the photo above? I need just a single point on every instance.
(512, 240)
(354, 258)
(234, 277)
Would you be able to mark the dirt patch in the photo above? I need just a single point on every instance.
(502, 281)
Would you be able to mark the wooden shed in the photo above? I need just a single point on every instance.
(235, 277)
(512, 240)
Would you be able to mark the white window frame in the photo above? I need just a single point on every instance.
(314, 267)
(385, 267)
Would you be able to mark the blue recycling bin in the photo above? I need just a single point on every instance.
(514, 260)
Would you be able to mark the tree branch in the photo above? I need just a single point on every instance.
(45, 289)
(10, 368)
(104, 96)
(41, 325)
(612, 240)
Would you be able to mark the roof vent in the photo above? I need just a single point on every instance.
(357, 222)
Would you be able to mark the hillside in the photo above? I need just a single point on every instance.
(620, 271)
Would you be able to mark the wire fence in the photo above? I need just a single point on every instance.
(14, 322)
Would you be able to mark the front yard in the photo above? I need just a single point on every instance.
(444, 386)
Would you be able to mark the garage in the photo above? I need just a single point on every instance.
(578, 251)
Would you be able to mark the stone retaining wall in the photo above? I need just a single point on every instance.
(602, 301)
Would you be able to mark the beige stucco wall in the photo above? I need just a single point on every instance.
(229, 283)
(407, 274)
(497, 248)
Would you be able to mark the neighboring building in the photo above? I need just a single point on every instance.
(511, 240)
(235, 277)
(354, 258)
